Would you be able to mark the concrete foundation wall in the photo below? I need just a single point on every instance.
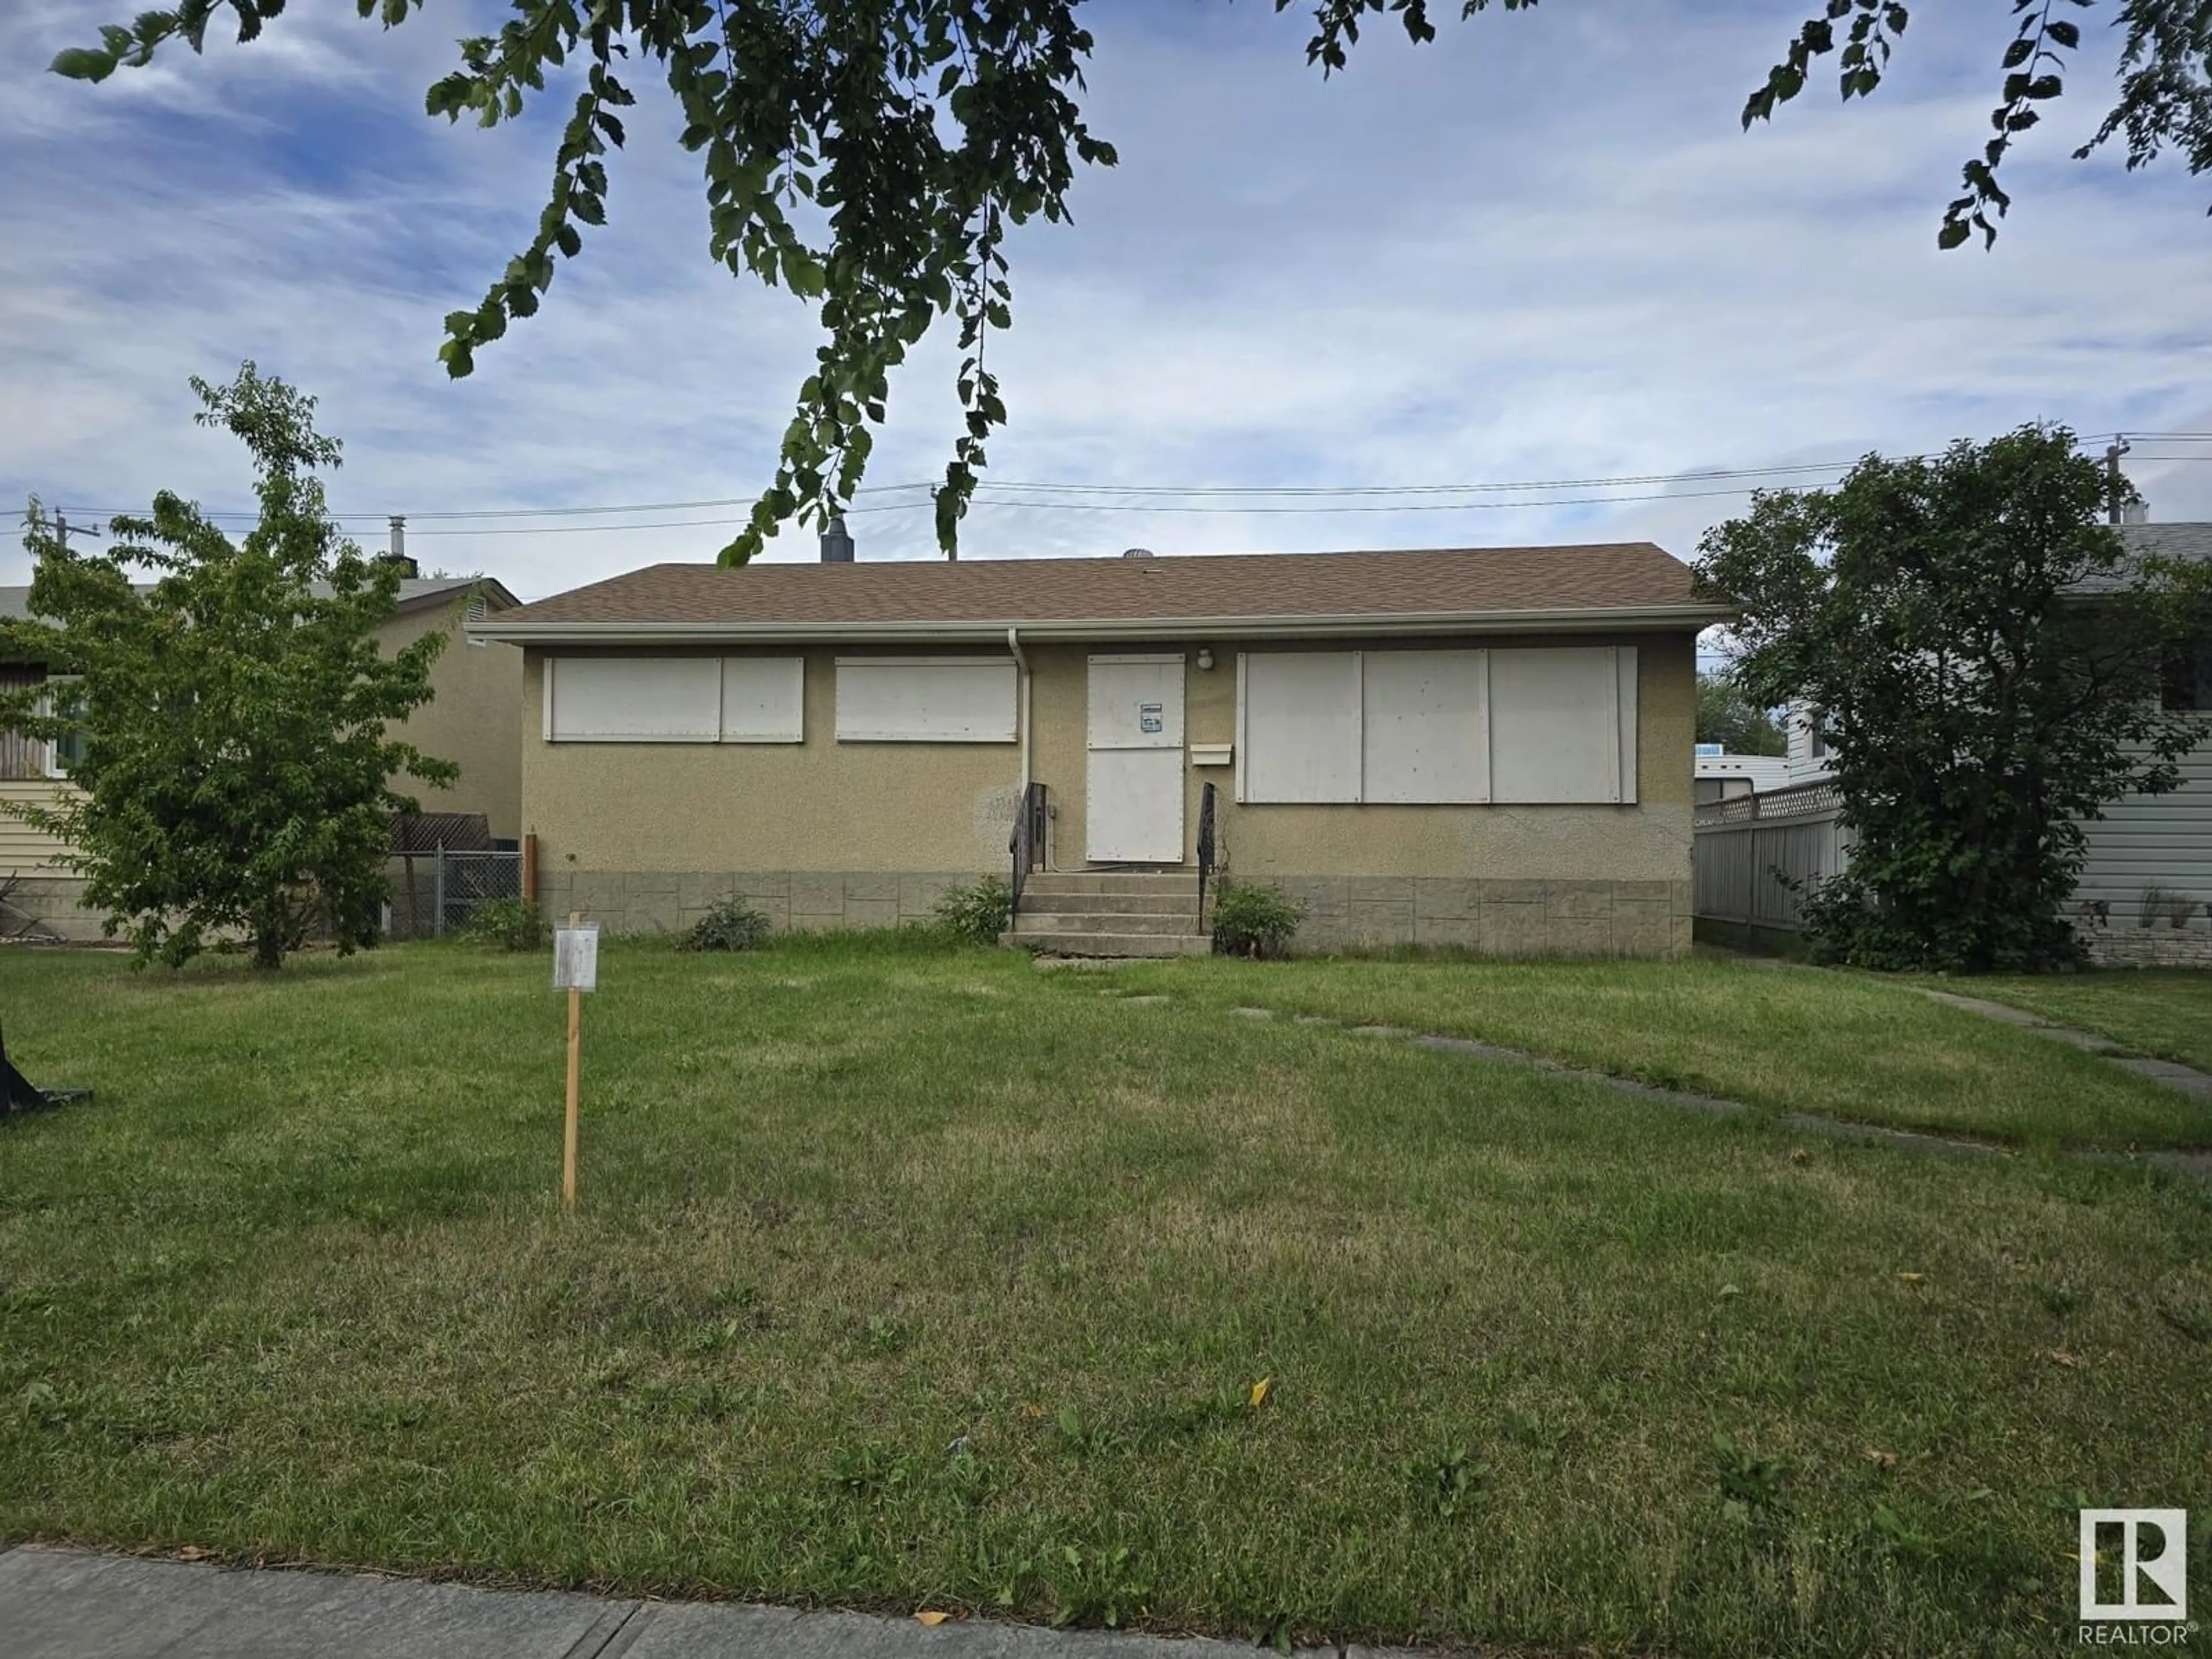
(1343, 913)
(55, 902)
(666, 901)
(2148, 947)
(1499, 918)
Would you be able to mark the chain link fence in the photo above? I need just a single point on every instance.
(435, 893)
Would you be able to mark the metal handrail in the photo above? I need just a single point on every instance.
(1206, 799)
(1026, 844)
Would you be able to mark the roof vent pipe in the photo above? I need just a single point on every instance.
(836, 541)
(397, 553)
(1138, 553)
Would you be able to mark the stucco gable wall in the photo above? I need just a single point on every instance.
(475, 720)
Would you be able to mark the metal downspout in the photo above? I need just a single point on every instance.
(1022, 663)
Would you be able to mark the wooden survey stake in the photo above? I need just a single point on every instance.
(575, 971)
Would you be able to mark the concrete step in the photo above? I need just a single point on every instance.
(1152, 882)
(1184, 903)
(1071, 916)
(1112, 944)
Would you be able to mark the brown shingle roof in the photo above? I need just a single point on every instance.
(1624, 576)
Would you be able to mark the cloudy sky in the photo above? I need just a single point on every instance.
(1540, 249)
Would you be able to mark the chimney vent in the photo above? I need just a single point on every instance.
(1138, 553)
(836, 541)
(398, 556)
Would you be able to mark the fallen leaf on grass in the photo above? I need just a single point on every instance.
(1885, 1460)
(2060, 1357)
(1260, 1392)
(1912, 1278)
(931, 1618)
(193, 1553)
(1798, 1155)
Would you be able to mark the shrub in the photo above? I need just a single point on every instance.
(511, 924)
(1254, 921)
(730, 923)
(978, 912)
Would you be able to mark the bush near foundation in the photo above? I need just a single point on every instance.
(978, 912)
(1254, 921)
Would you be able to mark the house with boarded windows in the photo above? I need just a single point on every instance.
(1478, 747)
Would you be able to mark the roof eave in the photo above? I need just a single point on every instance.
(1607, 619)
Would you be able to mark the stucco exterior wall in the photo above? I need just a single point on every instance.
(819, 806)
(1649, 840)
(824, 834)
(475, 720)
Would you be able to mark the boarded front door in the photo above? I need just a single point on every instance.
(1132, 791)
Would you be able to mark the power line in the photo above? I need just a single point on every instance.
(1124, 497)
(1694, 476)
(1120, 506)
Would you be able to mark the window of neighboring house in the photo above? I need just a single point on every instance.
(65, 697)
(2189, 678)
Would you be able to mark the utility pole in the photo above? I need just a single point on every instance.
(2113, 451)
(62, 531)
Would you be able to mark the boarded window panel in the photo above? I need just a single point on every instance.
(763, 699)
(1625, 659)
(633, 699)
(1555, 720)
(1423, 726)
(1301, 726)
(926, 700)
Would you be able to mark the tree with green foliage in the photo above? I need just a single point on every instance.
(1990, 660)
(1736, 722)
(233, 768)
(871, 158)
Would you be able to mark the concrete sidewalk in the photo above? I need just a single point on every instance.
(72, 1604)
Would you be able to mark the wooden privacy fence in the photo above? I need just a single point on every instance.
(1739, 845)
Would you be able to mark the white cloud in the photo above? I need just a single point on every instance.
(1540, 249)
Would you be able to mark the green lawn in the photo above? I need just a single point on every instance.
(2165, 1014)
(1852, 1046)
(906, 1278)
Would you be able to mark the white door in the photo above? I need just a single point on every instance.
(1133, 788)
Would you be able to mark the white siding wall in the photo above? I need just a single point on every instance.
(2163, 841)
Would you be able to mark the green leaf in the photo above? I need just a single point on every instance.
(83, 64)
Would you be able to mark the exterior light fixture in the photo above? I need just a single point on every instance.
(1206, 656)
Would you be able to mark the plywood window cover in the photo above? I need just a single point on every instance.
(1622, 677)
(1010, 734)
(795, 732)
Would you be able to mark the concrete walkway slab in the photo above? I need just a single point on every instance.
(75, 1604)
(67, 1604)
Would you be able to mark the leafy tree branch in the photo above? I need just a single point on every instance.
(871, 157)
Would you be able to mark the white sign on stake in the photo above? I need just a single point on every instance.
(576, 958)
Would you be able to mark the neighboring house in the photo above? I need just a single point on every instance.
(2141, 843)
(1472, 747)
(474, 721)
(1720, 776)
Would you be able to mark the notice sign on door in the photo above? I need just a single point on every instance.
(576, 958)
(1151, 716)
